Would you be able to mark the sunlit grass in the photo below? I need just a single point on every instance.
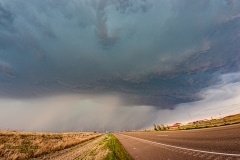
(20, 145)
(228, 120)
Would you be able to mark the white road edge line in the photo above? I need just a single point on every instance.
(195, 150)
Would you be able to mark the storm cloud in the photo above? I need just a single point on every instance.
(147, 52)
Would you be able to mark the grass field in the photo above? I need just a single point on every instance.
(20, 145)
(207, 123)
(116, 150)
(228, 120)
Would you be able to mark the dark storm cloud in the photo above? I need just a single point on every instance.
(130, 6)
(5, 16)
(158, 53)
(102, 30)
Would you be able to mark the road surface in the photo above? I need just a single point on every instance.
(211, 143)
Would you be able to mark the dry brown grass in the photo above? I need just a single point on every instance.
(22, 145)
(228, 120)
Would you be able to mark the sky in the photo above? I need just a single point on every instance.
(97, 65)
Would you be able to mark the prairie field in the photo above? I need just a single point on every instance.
(16, 145)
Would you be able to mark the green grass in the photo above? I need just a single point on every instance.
(117, 152)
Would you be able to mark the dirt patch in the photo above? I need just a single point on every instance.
(90, 150)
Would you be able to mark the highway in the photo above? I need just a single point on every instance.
(210, 143)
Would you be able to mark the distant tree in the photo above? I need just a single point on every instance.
(168, 127)
(155, 127)
(159, 128)
(163, 127)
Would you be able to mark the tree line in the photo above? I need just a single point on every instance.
(160, 127)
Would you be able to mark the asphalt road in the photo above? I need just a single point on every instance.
(210, 143)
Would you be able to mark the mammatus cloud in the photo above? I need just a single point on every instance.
(147, 52)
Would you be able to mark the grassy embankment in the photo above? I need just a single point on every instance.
(116, 150)
(228, 120)
(21, 145)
